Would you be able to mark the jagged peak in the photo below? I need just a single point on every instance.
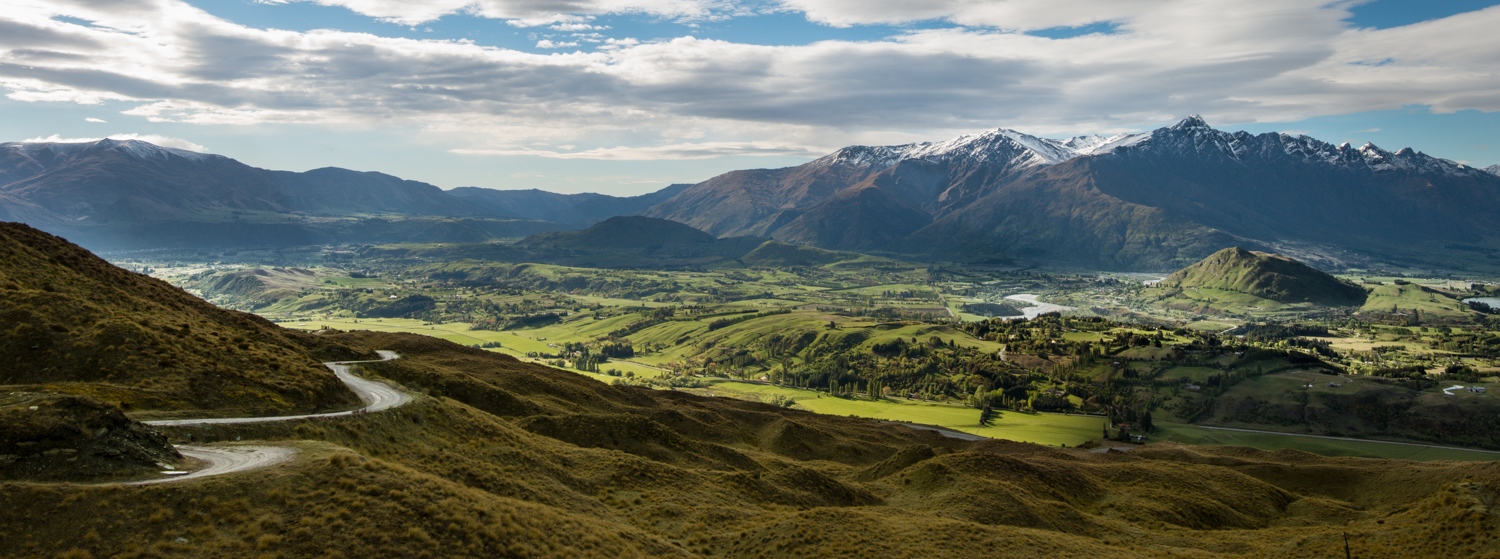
(1192, 122)
(1193, 133)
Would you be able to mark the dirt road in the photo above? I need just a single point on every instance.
(228, 460)
(376, 395)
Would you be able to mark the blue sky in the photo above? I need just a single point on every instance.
(627, 96)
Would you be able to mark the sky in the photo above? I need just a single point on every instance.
(628, 96)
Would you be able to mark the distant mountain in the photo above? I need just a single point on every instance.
(112, 195)
(574, 210)
(622, 232)
(1268, 276)
(629, 241)
(112, 180)
(1493, 169)
(939, 175)
(1157, 200)
(335, 191)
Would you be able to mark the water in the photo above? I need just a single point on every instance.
(1037, 307)
(1491, 301)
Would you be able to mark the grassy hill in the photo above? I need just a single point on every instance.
(779, 254)
(511, 459)
(1267, 276)
(74, 324)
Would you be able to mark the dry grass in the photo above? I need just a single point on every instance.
(72, 323)
(585, 469)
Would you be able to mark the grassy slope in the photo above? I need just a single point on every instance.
(519, 460)
(1412, 296)
(1265, 276)
(73, 323)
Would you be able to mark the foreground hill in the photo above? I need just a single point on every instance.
(503, 458)
(1268, 276)
(1153, 201)
(75, 324)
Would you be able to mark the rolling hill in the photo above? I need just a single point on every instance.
(1267, 276)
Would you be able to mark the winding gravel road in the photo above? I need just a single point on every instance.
(228, 460)
(377, 396)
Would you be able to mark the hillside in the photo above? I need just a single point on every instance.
(1268, 276)
(74, 324)
(496, 457)
(519, 459)
(779, 254)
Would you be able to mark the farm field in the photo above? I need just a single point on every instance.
(1196, 435)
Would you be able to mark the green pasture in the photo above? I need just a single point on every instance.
(1047, 429)
(1383, 298)
(1192, 434)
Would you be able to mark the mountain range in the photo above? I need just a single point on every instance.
(130, 194)
(1154, 201)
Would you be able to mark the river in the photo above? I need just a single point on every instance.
(1037, 307)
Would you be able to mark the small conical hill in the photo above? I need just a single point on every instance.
(623, 232)
(1268, 276)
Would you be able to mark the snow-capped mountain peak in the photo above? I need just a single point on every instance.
(1191, 135)
(1192, 122)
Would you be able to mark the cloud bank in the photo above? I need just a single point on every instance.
(1231, 61)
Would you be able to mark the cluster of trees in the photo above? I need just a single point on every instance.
(648, 319)
(723, 322)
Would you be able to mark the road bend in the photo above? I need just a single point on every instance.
(377, 396)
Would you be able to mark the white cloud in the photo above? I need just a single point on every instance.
(92, 119)
(577, 27)
(1366, 131)
(706, 150)
(1232, 61)
(531, 12)
(163, 141)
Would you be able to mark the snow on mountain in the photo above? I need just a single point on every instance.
(999, 145)
(135, 148)
(1493, 170)
(1191, 135)
(1194, 135)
